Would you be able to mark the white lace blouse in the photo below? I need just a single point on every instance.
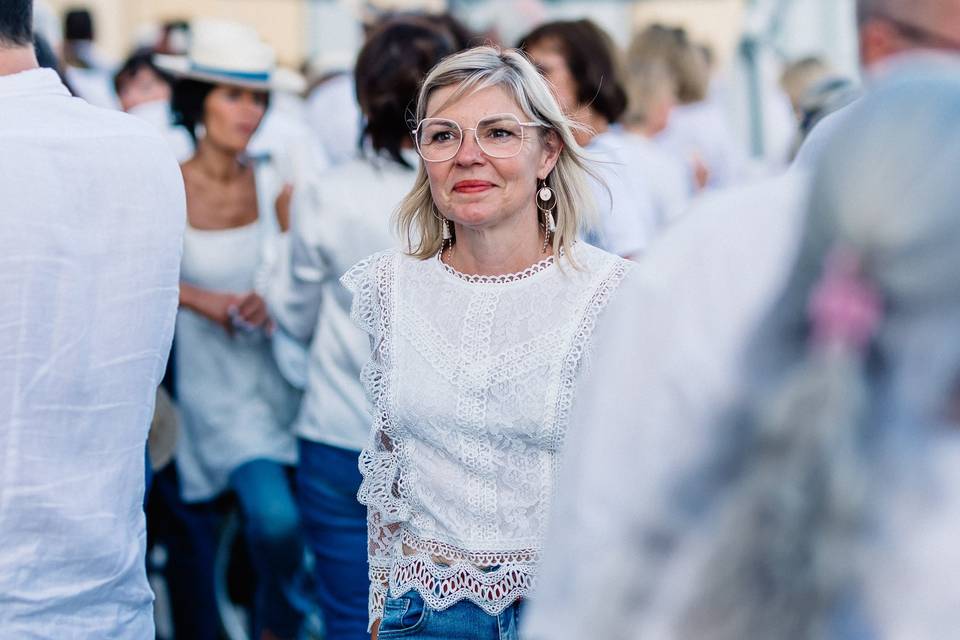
(471, 380)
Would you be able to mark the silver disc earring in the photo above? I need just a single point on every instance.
(547, 202)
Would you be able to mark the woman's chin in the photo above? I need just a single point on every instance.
(473, 219)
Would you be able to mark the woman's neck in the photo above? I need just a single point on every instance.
(218, 163)
(507, 248)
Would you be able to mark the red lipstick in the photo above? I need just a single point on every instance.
(472, 186)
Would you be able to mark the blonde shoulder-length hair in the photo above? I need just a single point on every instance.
(419, 220)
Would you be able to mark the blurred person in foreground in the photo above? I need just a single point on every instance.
(93, 221)
(343, 216)
(824, 505)
(580, 61)
(830, 499)
(144, 90)
(887, 29)
(478, 336)
(236, 407)
(699, 294)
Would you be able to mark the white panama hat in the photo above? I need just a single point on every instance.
(226, 52)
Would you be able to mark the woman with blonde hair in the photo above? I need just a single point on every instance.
(478, 331)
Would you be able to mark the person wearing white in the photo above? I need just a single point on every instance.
(478, 336)
(670, 344)
(708, 283)
(830, 516)
(144, 91)
(343, 215)
(93, 218)
(335, 117)
(577, 58)
(651, 97)
(623, 195)
(701, 132)
(661, 174)
(236, 407)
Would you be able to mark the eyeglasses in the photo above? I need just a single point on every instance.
(921, 35)
(498, 136)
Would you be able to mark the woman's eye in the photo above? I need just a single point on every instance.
(500, 134)
(442, 136)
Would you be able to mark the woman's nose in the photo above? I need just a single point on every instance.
(469, 151)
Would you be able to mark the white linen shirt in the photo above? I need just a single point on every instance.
(340, 217)
(93, 214)
(666, 365)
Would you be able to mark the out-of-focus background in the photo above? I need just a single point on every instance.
(752, 41)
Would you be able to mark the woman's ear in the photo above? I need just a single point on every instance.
(549, 154)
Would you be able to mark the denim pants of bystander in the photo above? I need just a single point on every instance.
(335, 527)
(272, 529)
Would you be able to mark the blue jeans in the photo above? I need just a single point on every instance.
(408, 616)
(272, 530)
(335, 526)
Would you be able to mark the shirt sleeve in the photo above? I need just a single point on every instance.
(295, 287)
(381, 488)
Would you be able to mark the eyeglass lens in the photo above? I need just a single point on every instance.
(439, 139)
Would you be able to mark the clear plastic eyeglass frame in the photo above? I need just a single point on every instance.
(451, 153)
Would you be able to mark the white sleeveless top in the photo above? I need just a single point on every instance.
(471, 379)
(235, 406)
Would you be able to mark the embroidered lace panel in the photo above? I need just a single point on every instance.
(471, 389)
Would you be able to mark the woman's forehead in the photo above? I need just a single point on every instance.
(472, 105)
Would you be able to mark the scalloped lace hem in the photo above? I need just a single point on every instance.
(492, 588)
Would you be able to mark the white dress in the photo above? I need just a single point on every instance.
(471, 379)
(235, 405)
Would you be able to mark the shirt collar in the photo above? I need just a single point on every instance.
(31, 83)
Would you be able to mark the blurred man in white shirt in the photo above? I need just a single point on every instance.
(93, 218)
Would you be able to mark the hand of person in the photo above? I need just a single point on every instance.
(251, 312)
(375, 630)
(283, 207)
(216, 306)
(701, 172)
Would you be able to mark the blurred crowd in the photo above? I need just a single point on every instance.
(760, 442)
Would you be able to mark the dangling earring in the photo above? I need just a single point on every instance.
(200, 131)
(547, 202)
(445, 233)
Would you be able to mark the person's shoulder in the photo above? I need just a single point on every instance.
(722, 231)
(112, 132)
(822, 133)
(366, 270)
(737, 211)
(101, 121)
(594, 261)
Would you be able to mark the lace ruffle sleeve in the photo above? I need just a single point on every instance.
(370, 282)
